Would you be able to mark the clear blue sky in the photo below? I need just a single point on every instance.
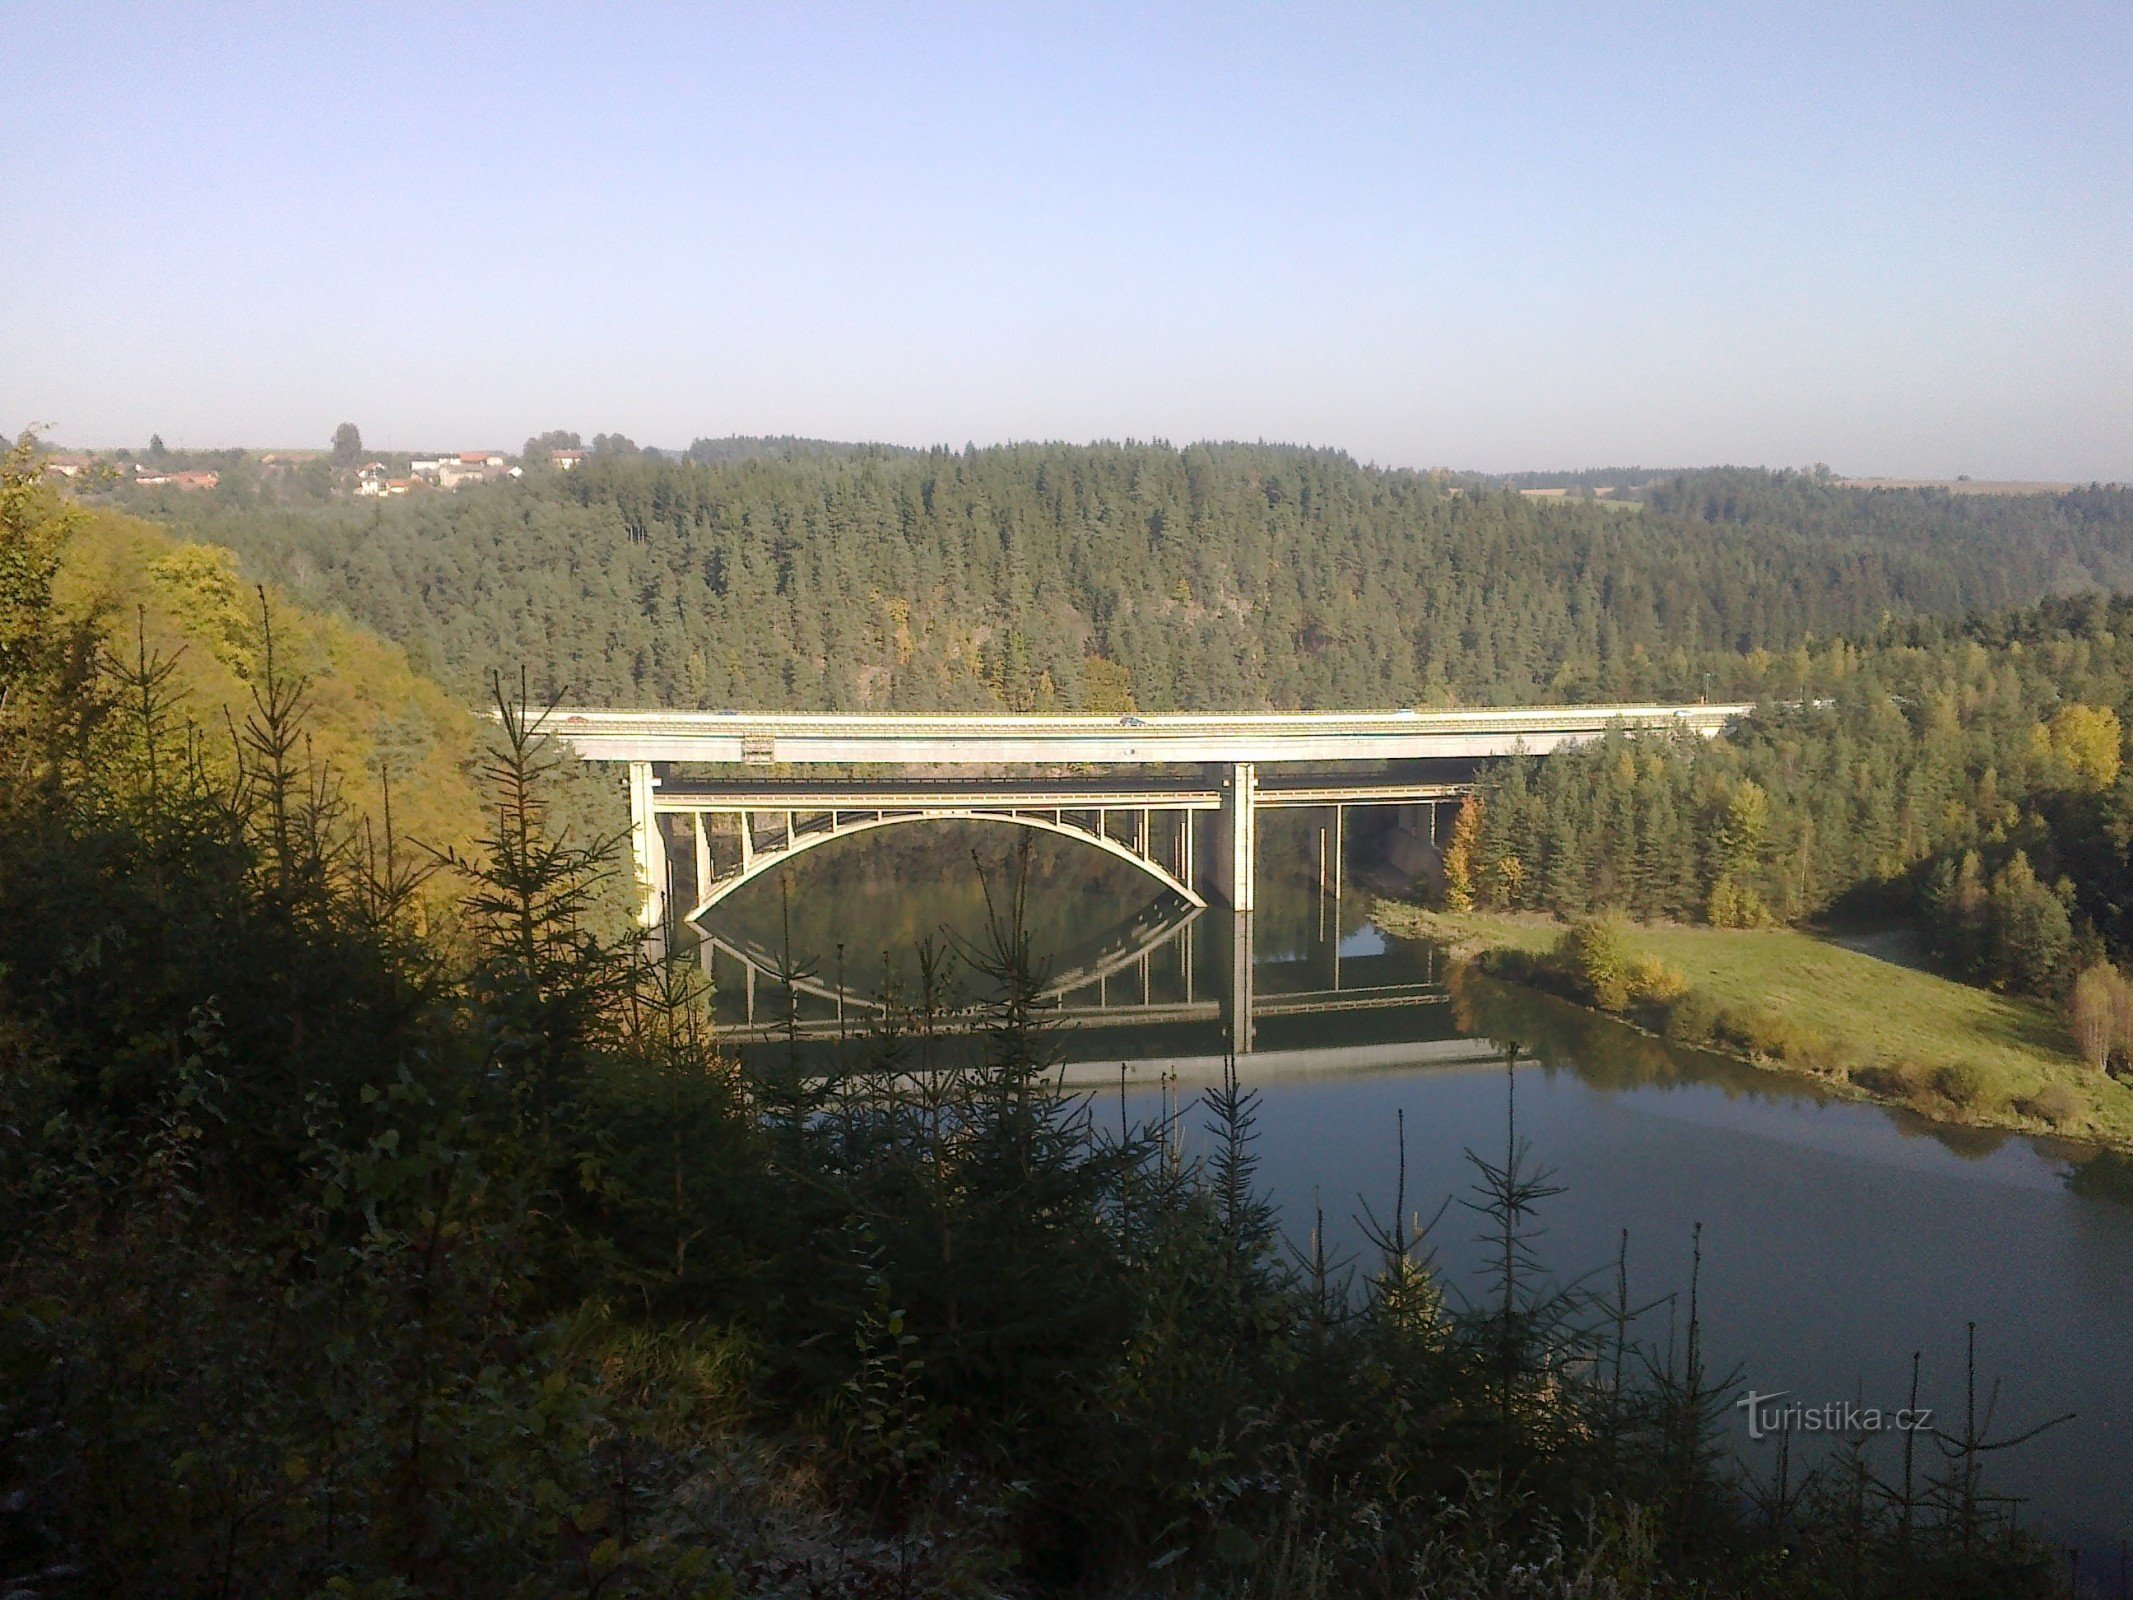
(1896, 239)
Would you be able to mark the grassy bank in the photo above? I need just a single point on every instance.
(1790, 1000)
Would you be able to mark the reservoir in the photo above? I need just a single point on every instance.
(1837, 1237)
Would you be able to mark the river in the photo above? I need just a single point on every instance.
(1837, 1237)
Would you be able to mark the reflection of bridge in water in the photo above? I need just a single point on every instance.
(1152, 973)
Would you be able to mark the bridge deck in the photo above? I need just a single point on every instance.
(953, 794)
(931, 794)
(763, 738)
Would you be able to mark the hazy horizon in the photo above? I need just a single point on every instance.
(1898, 242)
(480, 442)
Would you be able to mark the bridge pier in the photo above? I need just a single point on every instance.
(702, 833)
(1237, 846)
(648, 847)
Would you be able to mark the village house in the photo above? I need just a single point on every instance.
(374, 479)
(468, 466)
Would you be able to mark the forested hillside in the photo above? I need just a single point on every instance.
(2041, 543)
(1103, 577)
(1973, 766)
(340, 1259)
(368, 716)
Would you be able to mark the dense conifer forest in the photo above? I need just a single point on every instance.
(371, 1226)
(1043, 577)
(1970, 769)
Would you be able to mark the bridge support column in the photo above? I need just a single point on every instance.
(1241, 996)
(648, 847)
(1340, 855)
(1235, 853)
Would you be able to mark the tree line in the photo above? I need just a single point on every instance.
(1106, 577)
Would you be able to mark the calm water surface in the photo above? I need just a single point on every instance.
(1837, 1237)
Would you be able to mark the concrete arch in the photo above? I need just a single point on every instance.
(766, 860)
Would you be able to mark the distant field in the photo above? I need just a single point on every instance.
(1960, 485)
(1604, 497)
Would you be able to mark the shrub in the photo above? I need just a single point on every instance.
(1691, 1018)
(1654, 982)
(1897, 1080)
(1594, 955)
(1961, 1083)
(2055, 1103)
(1780, 1038)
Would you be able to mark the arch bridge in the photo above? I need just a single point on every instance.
(1184, 810)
